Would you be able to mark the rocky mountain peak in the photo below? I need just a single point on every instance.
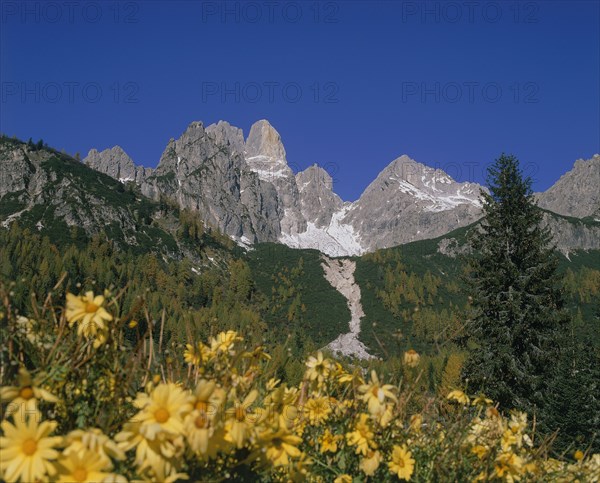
(314, 174)
(318, 202)
(264, 140)
(576, 193)
(116, 163)
(224, 134)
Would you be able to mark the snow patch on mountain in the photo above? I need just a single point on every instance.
(338, 239)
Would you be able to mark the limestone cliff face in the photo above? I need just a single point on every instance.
(318, 202)
(265, 155)
(117, 164)
(204, 172)
(577, 192)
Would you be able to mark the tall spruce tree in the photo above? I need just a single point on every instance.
(518, 317)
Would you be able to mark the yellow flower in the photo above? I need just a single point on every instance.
(369, 464)
(578, 455)
(27, 451)
(280, 446)
(197, 355)
(411, 358)
(329, 442)
(26, 395)
(88, 312)
(318, 368)
(481, 400)
(362, 436)
(402, 463)
(508, 466)
(317, 410)
(148, 453)
(374, 394)
(162, 411)
(458, 396)
(416, 421)
(343, 479)
(199, 424)
(224, 342)
(240, 422)
(93, 440)
(84, 466)
(480, 451)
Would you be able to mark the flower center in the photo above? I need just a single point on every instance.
(26, 393)
(201, 406)
(401, 463)
(240, 413)
(201, 422)
(80, 474)
(161, 415)
(91, 308)
(29, 446)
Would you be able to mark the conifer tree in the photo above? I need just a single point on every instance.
(518, 317)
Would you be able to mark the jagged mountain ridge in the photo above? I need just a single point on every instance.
(246, 188)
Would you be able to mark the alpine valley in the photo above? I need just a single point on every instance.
(224, 230)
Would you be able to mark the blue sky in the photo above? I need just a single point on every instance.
(349, 85)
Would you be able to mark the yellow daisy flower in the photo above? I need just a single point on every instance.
(240, 422)
(317, 410)
(82, 466)
(374, 394)
(362, 436)
(411, 358)
(223, 342)
(369, 464)
(402, 464)
(26, 395)
(329, 442)
(93, 440)
(458, 396)
(198, 354)
(280, 446)
(318, 368)
(163, 410)
(27, 450)
(91, 317)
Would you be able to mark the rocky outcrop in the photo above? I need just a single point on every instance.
(318, 202)
(117, 164)
(202, 173)
(265, 155)
(569, 235)
(576, 193)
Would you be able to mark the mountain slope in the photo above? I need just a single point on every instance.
(577, 192)
(56, 195)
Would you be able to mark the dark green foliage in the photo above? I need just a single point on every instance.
(296, 296)
(518, 319)
(574, 408)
